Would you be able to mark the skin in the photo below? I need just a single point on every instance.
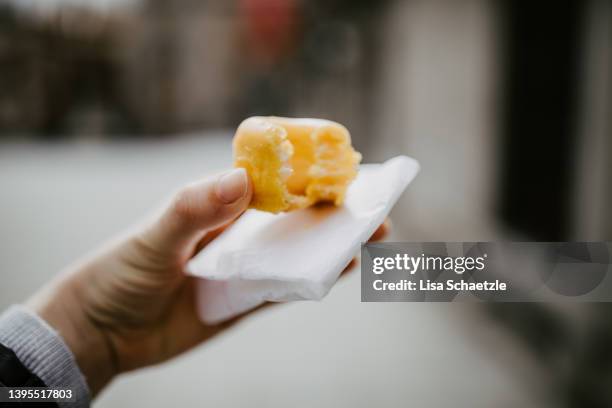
(130, 304)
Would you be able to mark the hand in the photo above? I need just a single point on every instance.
(131, 305)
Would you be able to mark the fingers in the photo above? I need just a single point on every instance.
(381, 232)
(209, 237)
(349, 267)
(198, 208)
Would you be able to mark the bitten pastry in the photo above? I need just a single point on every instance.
(295, 163)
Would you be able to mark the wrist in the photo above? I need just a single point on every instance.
(60, 307)
(43, 356)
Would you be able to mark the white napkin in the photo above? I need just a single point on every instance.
(297, 255)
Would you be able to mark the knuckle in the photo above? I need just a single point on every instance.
(196, 205)
(183, 205)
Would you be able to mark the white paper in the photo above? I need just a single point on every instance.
(297, 255)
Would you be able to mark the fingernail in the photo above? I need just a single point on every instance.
(232, 186)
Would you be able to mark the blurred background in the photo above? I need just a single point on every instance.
(108, 106)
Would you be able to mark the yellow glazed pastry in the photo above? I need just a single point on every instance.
(294, 163)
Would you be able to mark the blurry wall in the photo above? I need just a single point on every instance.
(438, 102)
(593, 198)
(156, 67)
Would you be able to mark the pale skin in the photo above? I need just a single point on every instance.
(131, 305)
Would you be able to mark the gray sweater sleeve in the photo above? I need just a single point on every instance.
(42, 351)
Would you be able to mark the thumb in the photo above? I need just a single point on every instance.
(198, 208)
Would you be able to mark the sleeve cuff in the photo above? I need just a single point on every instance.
(43, 352)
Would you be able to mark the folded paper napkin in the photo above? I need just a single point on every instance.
(297, 255)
